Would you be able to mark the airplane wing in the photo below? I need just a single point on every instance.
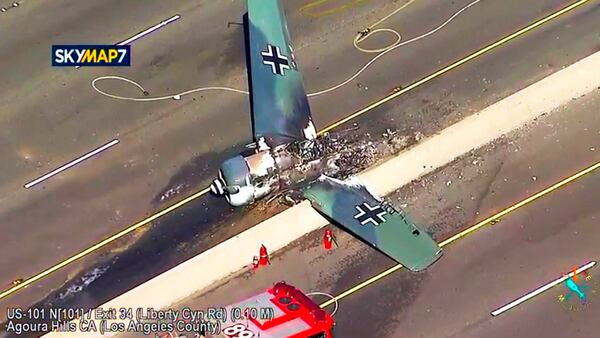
(350, 204)
(280, 111)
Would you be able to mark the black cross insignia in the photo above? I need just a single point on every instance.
(273, 57)
(367, 213)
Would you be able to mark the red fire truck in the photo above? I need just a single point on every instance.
(280, 312)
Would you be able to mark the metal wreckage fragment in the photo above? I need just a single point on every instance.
(338, 155)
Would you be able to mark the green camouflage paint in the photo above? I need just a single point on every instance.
(280, 114)
(280, 110)
(385, 228)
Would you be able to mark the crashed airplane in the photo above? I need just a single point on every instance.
(289, 155)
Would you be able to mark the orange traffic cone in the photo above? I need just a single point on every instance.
(264, 256)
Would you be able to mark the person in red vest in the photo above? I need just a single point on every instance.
(264, 256)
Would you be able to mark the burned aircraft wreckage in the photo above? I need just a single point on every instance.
(287, 155)
(285, 169)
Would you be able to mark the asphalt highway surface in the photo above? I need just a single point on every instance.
(169, 149)
(480, 272)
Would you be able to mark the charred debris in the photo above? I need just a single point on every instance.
(339, 155)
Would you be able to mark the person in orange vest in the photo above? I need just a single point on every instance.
(264, 256)
(329, 239)
(255, 263)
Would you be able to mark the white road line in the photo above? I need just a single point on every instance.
(542, 289)
(146, 32)
(149, 30)
(72, 163)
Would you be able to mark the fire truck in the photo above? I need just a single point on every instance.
(282, 311)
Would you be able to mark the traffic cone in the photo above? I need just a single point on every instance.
(264, 256)
(255, 262)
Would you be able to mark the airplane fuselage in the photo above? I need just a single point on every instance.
(245, 179)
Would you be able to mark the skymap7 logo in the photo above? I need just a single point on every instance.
(91, 55)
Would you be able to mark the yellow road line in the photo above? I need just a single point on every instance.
(490, 220)
(311, 5)
(458, 63)
(131, 228)
(101, 244)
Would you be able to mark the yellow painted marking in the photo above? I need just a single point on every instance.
(306, 9)
(187, 200)
(101, 244)
(458, 63)
(490, 220)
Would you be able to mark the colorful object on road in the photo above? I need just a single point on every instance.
(255, 263)
(544, 288)
(582, 289)
(576, 289)
(574, 276)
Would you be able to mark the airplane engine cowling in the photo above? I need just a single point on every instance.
(234, 182)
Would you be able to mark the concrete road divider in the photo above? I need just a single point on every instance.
(275, 233)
